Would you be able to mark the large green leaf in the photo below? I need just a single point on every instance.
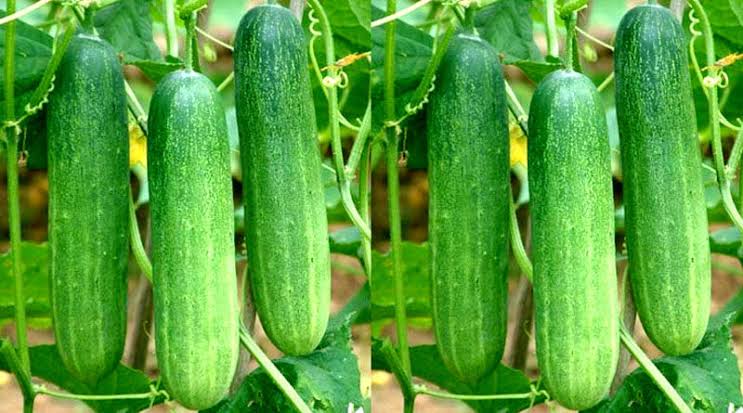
(506, 24)
(327, 379)
(35, 284)
(416, 280)
(707, 379)
(426, 363)
(33, 49)
(47, 365)
(127, 25)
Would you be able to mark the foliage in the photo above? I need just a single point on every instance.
(327, 378)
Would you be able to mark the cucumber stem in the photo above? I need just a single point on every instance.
(393, 190)
(519, 252)
(420, 389)
(652, 371)
(364, 199)
(14, 215)
(551, 28)
(570, 21)
(262, 359)
(190, 42)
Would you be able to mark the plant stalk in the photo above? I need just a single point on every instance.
(393, 190)
(14, 215)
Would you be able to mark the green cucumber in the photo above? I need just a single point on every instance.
(285, 219)
(575, 284)
(193, 253)
(468, 175)
(665, 215)
(88, 161)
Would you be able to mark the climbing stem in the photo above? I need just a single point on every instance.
(330, 83)
(364, 199)
(710, 83)
(393, 190)
(14, 215)
(652, 371)
(262, 359)
(421, 389)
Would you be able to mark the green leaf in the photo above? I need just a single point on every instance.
(507, 25)
(127, 26)
(415, 269)
(35, 284)
(350, 20)
(327, 379)
(726, 241)
(33, 50)
(536, 70)
(157, 69)
(707, 379)
(346, 241)
(426, 363)
(46, 364)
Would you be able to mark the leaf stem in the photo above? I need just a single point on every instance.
(171, 30)
(140, 255)
(226, 82)
(519, 252)
(152, 394)
(359, 145)
(652, 371)
(214, 39)
(421, 389)
(22, 12)
(553, 48)
(393, 190)
(594, 39)
(401, 13)
(14, 215)
(364, 200)
(262, 359)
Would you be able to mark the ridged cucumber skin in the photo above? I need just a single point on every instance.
(468, 174)
(575, 284)
(665, 214)
(193, 253)
(88, 165)
(285, 219)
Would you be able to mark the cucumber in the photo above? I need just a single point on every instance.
(665, 214)
(193, 253)
(468, 175)
(88, 161)
(285, 219)
(575, 284)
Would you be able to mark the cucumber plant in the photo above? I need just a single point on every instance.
(70, 89)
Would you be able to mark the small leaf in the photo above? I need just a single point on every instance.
(156, 70)
(507, 25)
(35, 283)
